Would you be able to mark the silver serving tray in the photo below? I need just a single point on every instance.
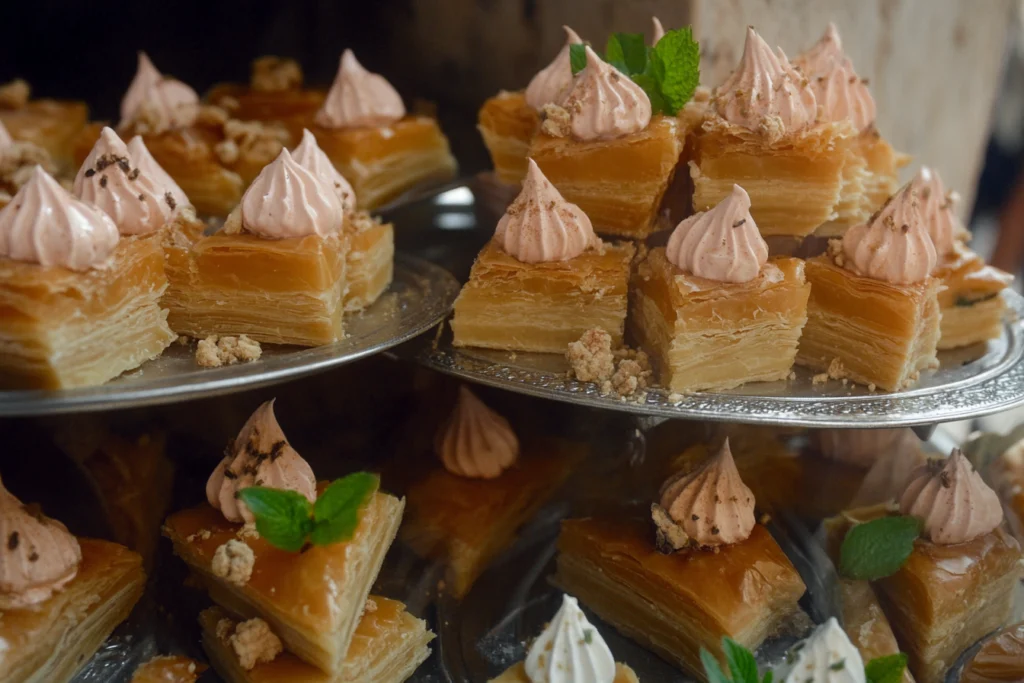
(419, 297)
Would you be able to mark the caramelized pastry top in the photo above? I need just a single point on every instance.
(840, 93)
(657, 31)
(570, 650)
(893, 246)
(157, 102)
(711, 505)
(288, 200)
(358, 98)
(110, 179)
(309, 155)
(552, 83)
(765, 93)
(604, 104)
(952, 500)
(826, 656)
(721, 244)
(5, 138)
(45, 224)
(259, 456)
(476, 442)
(938, 210)
(540, 226)
(147, 165)
(1000, 659)
(38, 556)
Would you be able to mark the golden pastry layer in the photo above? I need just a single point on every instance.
(517, 674)
(294, 108)
(865, 623)
(618, 183)
(313, 599)
(507, 125)
(61, 329)
(169, 669)
(369, 265)
(882, 334)
(51, 643)
(715, 335)
(971, 303)
(882, 164)
(508, 304)
(53, 125)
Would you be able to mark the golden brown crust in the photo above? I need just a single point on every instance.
(517, 674)
(971, 305)
(169, 669)
(865, 623)
(507, 125)
(369, 266)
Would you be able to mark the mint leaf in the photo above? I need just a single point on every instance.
(282, 517)
(742, 664)
(878, 548)
(336, 511)
(768, 677)
(627, 52)
(577, 58)
(712, 668)
(614, 55)
(675, 64)
(886, 669)
(650, 86)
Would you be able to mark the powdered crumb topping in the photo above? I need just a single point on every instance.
(623, 372)
(16, 164)
(215, 351)
(213, 116)
(556, 121)
(250, 141)
(254, 643)
(15, 94)
(370, 606)
(233, 561)
(274, 74)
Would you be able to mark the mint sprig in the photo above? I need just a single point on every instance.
(668, 72)
(886, 669)
(288, 521)
(743, 666)
(877, 549)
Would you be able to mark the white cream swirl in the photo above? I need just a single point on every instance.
(938, 209)
(552, 83)
(570, 650)
(827, 656)
(309, 155)
(840, 93)
(358, 98)
(148, 166)
(288, 200)
(476, 442)
(604, 104)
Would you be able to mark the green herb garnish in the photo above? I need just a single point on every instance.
(577, 57)
(886, 669)
(288, 521)
(743, 666)
(878, 548)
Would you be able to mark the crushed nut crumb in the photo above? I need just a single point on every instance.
(201, 535)
(214, 351)
(274, 74)
(233, 561)
(370, 606)
(254, 642)
(556, 121)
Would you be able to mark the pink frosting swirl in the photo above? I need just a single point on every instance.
(938, 209)
(711, 506)
(38, 556)
(110, 180)
(288, 200)
(358, 98)
(541, 226)
(148, 166)
(309, 155)
(894, 245)
(951, 499)
(5, 138)
(657, 31)
(551, 84)
(840, 93)
(45, 224)
(259, 456)
(146, 76)
(765, 93)
(605, 104)
(721, 244)
(163, 102)
(475, 441)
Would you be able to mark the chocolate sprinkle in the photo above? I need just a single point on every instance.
(142, 197)
(275, 450)
(33, 557)
(90, 172)
(134, 174)
(695, 518)
(739, 222)
(714, 530)
(103, 181)
(170, 200)
(12, 541)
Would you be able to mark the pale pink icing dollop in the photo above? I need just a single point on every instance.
(938, 209)
(551, 84)
(309, 155)
(38, 555)
(45, 224)
(146, 76)
(893, 246)
(604, 104)
(147, 165)
(5, 138)
(722, 243)
(711, 505)
(288, 200)
(259, 456)
(358, 98)
(110, 180)
(657, 31)
(476, 442)
(863, 447)
(539, 225)
(841, 94)
(951, 499)
(888, 477)
(765, 93)
(164, 102)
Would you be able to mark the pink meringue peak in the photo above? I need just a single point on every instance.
(358, 98)
(552, 83)
(938, 209)
(893, 246)
(657, 31)
(721, 244)
(5, 138)
(148, 166)
(288, 200)
(541, 226)
(309, 155)
(164, 102)
(259, 456)
(840, 93)
(765, 93)
(951, 499)
(38, 555)
(109, 179)
(475, 441)
(604, 104)
(45, 224)
(710, 506)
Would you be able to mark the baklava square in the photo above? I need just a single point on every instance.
(369, 266)
(507, 124)
(970, 299)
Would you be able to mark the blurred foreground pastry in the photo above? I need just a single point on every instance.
(50, 125)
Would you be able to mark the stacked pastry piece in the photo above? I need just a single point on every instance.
(287, 615)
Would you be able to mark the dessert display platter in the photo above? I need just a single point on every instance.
(420, 295)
